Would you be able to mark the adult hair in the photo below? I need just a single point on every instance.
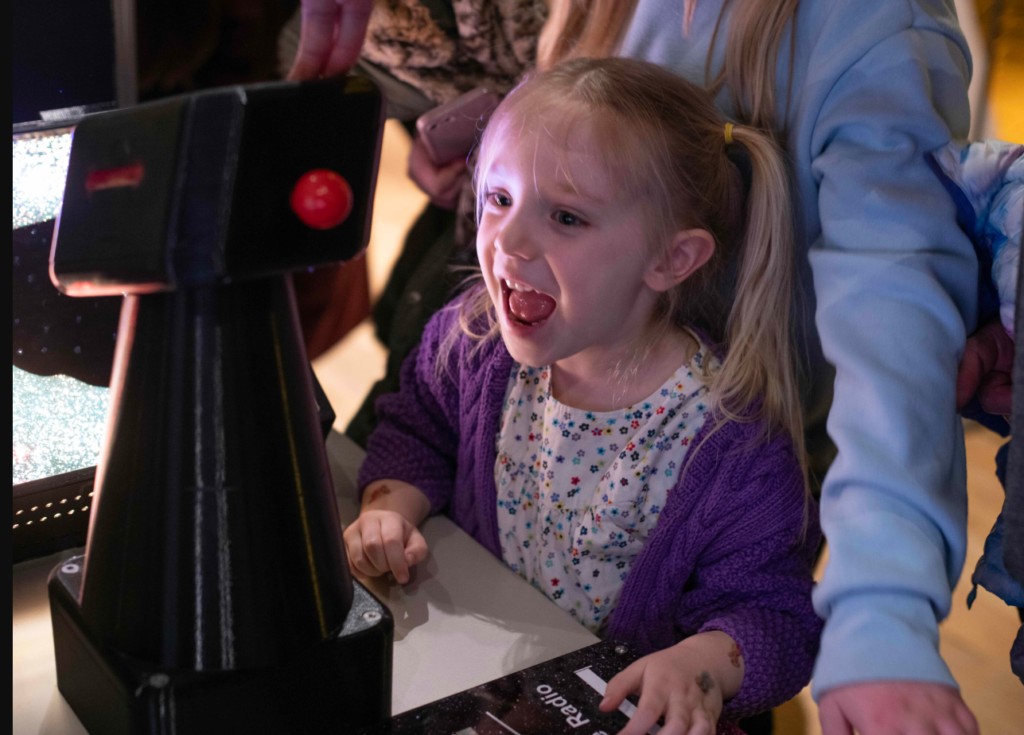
(666, 142)
(595, 28)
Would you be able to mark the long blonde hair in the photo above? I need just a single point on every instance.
(595, 28)
(665, 140)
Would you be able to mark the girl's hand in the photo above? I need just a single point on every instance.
(686, 684)
(441, 183)
(895, 708)
(382, 541)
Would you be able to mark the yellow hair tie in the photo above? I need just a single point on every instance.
(728, 133)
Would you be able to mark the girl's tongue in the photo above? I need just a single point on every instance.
(530, 306)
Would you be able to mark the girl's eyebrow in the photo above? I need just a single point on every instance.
(575, 191)
(562, 187)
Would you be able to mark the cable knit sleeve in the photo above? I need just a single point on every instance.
(416, 439)
(753, 582)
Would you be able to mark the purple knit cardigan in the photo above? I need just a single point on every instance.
(726, 554)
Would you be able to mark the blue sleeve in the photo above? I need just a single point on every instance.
(896, 285)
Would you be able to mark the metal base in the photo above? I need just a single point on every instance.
(343, 683)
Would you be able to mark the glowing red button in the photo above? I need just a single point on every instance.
(322, 199)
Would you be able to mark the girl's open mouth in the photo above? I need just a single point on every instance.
(525, 306)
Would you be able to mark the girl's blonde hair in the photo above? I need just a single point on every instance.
(595, 28)
(663, 138)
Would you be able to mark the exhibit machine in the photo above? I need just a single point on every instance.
(214, 595)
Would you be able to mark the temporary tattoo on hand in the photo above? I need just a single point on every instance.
(704, 681)
(736, 655)
(379, 493)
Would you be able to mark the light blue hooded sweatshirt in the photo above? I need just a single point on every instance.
(892, 282)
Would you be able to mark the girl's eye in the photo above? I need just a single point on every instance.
(500, 199)
(568, 219)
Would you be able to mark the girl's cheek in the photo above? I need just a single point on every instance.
(483, 241)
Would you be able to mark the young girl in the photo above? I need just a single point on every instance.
(572, 413)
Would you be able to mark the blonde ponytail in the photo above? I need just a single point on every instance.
(761, 363)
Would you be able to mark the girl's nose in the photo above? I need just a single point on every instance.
(513, 239)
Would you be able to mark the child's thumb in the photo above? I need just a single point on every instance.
(415, 547)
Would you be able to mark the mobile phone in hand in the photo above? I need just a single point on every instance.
(449, 131)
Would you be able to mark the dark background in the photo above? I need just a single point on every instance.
(63, 55)
(63, 50)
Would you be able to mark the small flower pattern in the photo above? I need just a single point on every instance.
(573, 528)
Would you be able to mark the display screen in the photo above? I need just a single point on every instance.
(58, 424)
(40, 167)
(58, 421)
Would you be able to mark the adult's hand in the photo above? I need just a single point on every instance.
(895, 708)
(332, 37)
(441, 183)
(986, 369)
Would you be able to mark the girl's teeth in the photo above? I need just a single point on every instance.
(517, 286)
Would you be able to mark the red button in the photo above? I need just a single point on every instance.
(322, 199)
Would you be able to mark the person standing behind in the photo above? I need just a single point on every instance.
(857, 92)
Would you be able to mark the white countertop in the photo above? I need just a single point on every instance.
(462, 620)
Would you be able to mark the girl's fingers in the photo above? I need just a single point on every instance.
(626, 681)
(675, 727)
(415, 546)
(356, 557)
(650, 709)
(373, 547)
(678, 715)
(700, 724)
(393, 539)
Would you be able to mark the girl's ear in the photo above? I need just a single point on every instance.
(690, 249)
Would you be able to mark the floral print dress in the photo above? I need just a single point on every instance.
(580, 491)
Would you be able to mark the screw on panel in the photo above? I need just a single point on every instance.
(371, 616)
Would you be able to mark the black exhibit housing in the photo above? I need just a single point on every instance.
(214, 594)
(215, 171)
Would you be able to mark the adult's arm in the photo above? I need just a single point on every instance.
(896, 283)
(332, 37)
